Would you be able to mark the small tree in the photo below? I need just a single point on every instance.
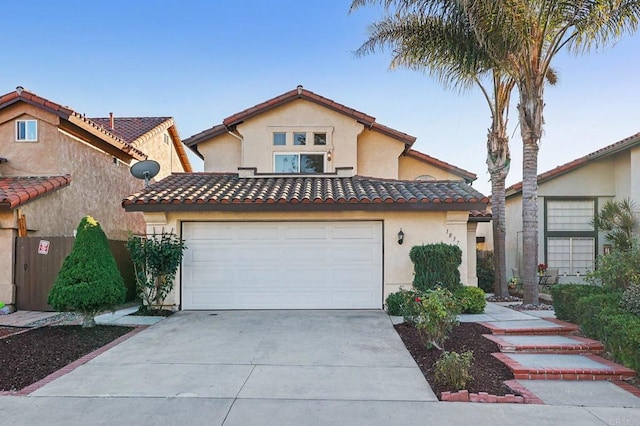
(619, 221)
(156, 259)
(89, 280)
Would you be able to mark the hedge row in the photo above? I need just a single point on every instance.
(597, 310)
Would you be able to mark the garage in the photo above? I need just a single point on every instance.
(282, 265)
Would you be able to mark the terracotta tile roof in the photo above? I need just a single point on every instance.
(130, 128)
(222, 191)
(297, 93)
(18, 190)
(480, 216)
(614, 148)
(468, 176)
(23, 95)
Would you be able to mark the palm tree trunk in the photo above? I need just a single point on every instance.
(530, 119)
(498, 160)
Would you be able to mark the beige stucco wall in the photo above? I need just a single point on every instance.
(159, 147)
(410, 168)
(222, 154)
(7, 236)
(378, 154)
(300, 115)
(418, 227)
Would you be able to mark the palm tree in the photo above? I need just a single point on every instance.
(523, 37)
(417, 43)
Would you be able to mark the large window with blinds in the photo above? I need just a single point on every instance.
(570, 238)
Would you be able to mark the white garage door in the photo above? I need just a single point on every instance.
(282, 265)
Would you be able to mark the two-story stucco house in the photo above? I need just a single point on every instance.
(57, 166)
(307, 203)
(568, 198)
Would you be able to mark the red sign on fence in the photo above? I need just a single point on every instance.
(43, 247)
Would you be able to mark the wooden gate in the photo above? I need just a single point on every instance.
(35, 271)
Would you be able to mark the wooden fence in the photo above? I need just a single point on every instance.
(35, 272)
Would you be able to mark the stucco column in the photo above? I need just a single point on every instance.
(7, 260)
(457, 234)
(472, 277)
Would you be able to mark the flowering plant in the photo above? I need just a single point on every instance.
(513, 282)
(542, 268)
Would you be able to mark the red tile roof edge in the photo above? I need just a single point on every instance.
(22, 94)
(579, 162)
(441, 164)
(298, 93)
(36, 189)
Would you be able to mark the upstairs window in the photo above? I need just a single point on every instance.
(319, 138)
(26, 130)
(299, 138)
(299, 163)
(279, 138)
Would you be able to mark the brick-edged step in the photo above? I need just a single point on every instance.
(563, 367)
(547, 326)
(553, 344)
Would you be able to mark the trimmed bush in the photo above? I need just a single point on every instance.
(484, 270)
(471, 300)
(630, 301)
(400, 302)
(621, 337)
(89, 281)
(618, 269)
(565, 298)
(590, 307)
(436, 265)
(453, 370)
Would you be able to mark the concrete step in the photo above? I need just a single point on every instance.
(550, 344)
(547, 326)
(563, 367)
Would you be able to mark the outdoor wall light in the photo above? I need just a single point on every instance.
(400, 236)
(329, 156)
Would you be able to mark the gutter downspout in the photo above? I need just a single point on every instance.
(238, 136)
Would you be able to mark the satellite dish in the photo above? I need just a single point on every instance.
(146, 170)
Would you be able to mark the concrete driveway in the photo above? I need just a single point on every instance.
(255, 356)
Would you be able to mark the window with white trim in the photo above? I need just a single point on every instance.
(570, 238)
(298, 162)
(26, 130)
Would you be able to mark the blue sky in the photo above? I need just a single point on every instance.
(201, 61)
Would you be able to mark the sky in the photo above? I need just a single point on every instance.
(201, 61)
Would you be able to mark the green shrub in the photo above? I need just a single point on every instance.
(485, 270)
(621, 337)
(618, 269)
(453, 370)
(566, 296)
(436, 312)
(471, 300)
(436, 265)
(89, 281)
(590, 307)
(630, 301)
(156, 259)
(400, 302)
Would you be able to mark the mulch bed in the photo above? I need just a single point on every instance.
(31, 356)
(487, 371)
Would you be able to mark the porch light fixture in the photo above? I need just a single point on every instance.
(400, 236)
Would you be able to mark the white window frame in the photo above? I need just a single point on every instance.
(578, 230)
(26, 130)
(299, 154)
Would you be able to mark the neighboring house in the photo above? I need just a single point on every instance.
(57, 166)
(307, 203)
(568, 198)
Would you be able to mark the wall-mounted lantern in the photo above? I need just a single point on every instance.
(400, 236)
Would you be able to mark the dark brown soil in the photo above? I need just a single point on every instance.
(31, 356)
(487, 371)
